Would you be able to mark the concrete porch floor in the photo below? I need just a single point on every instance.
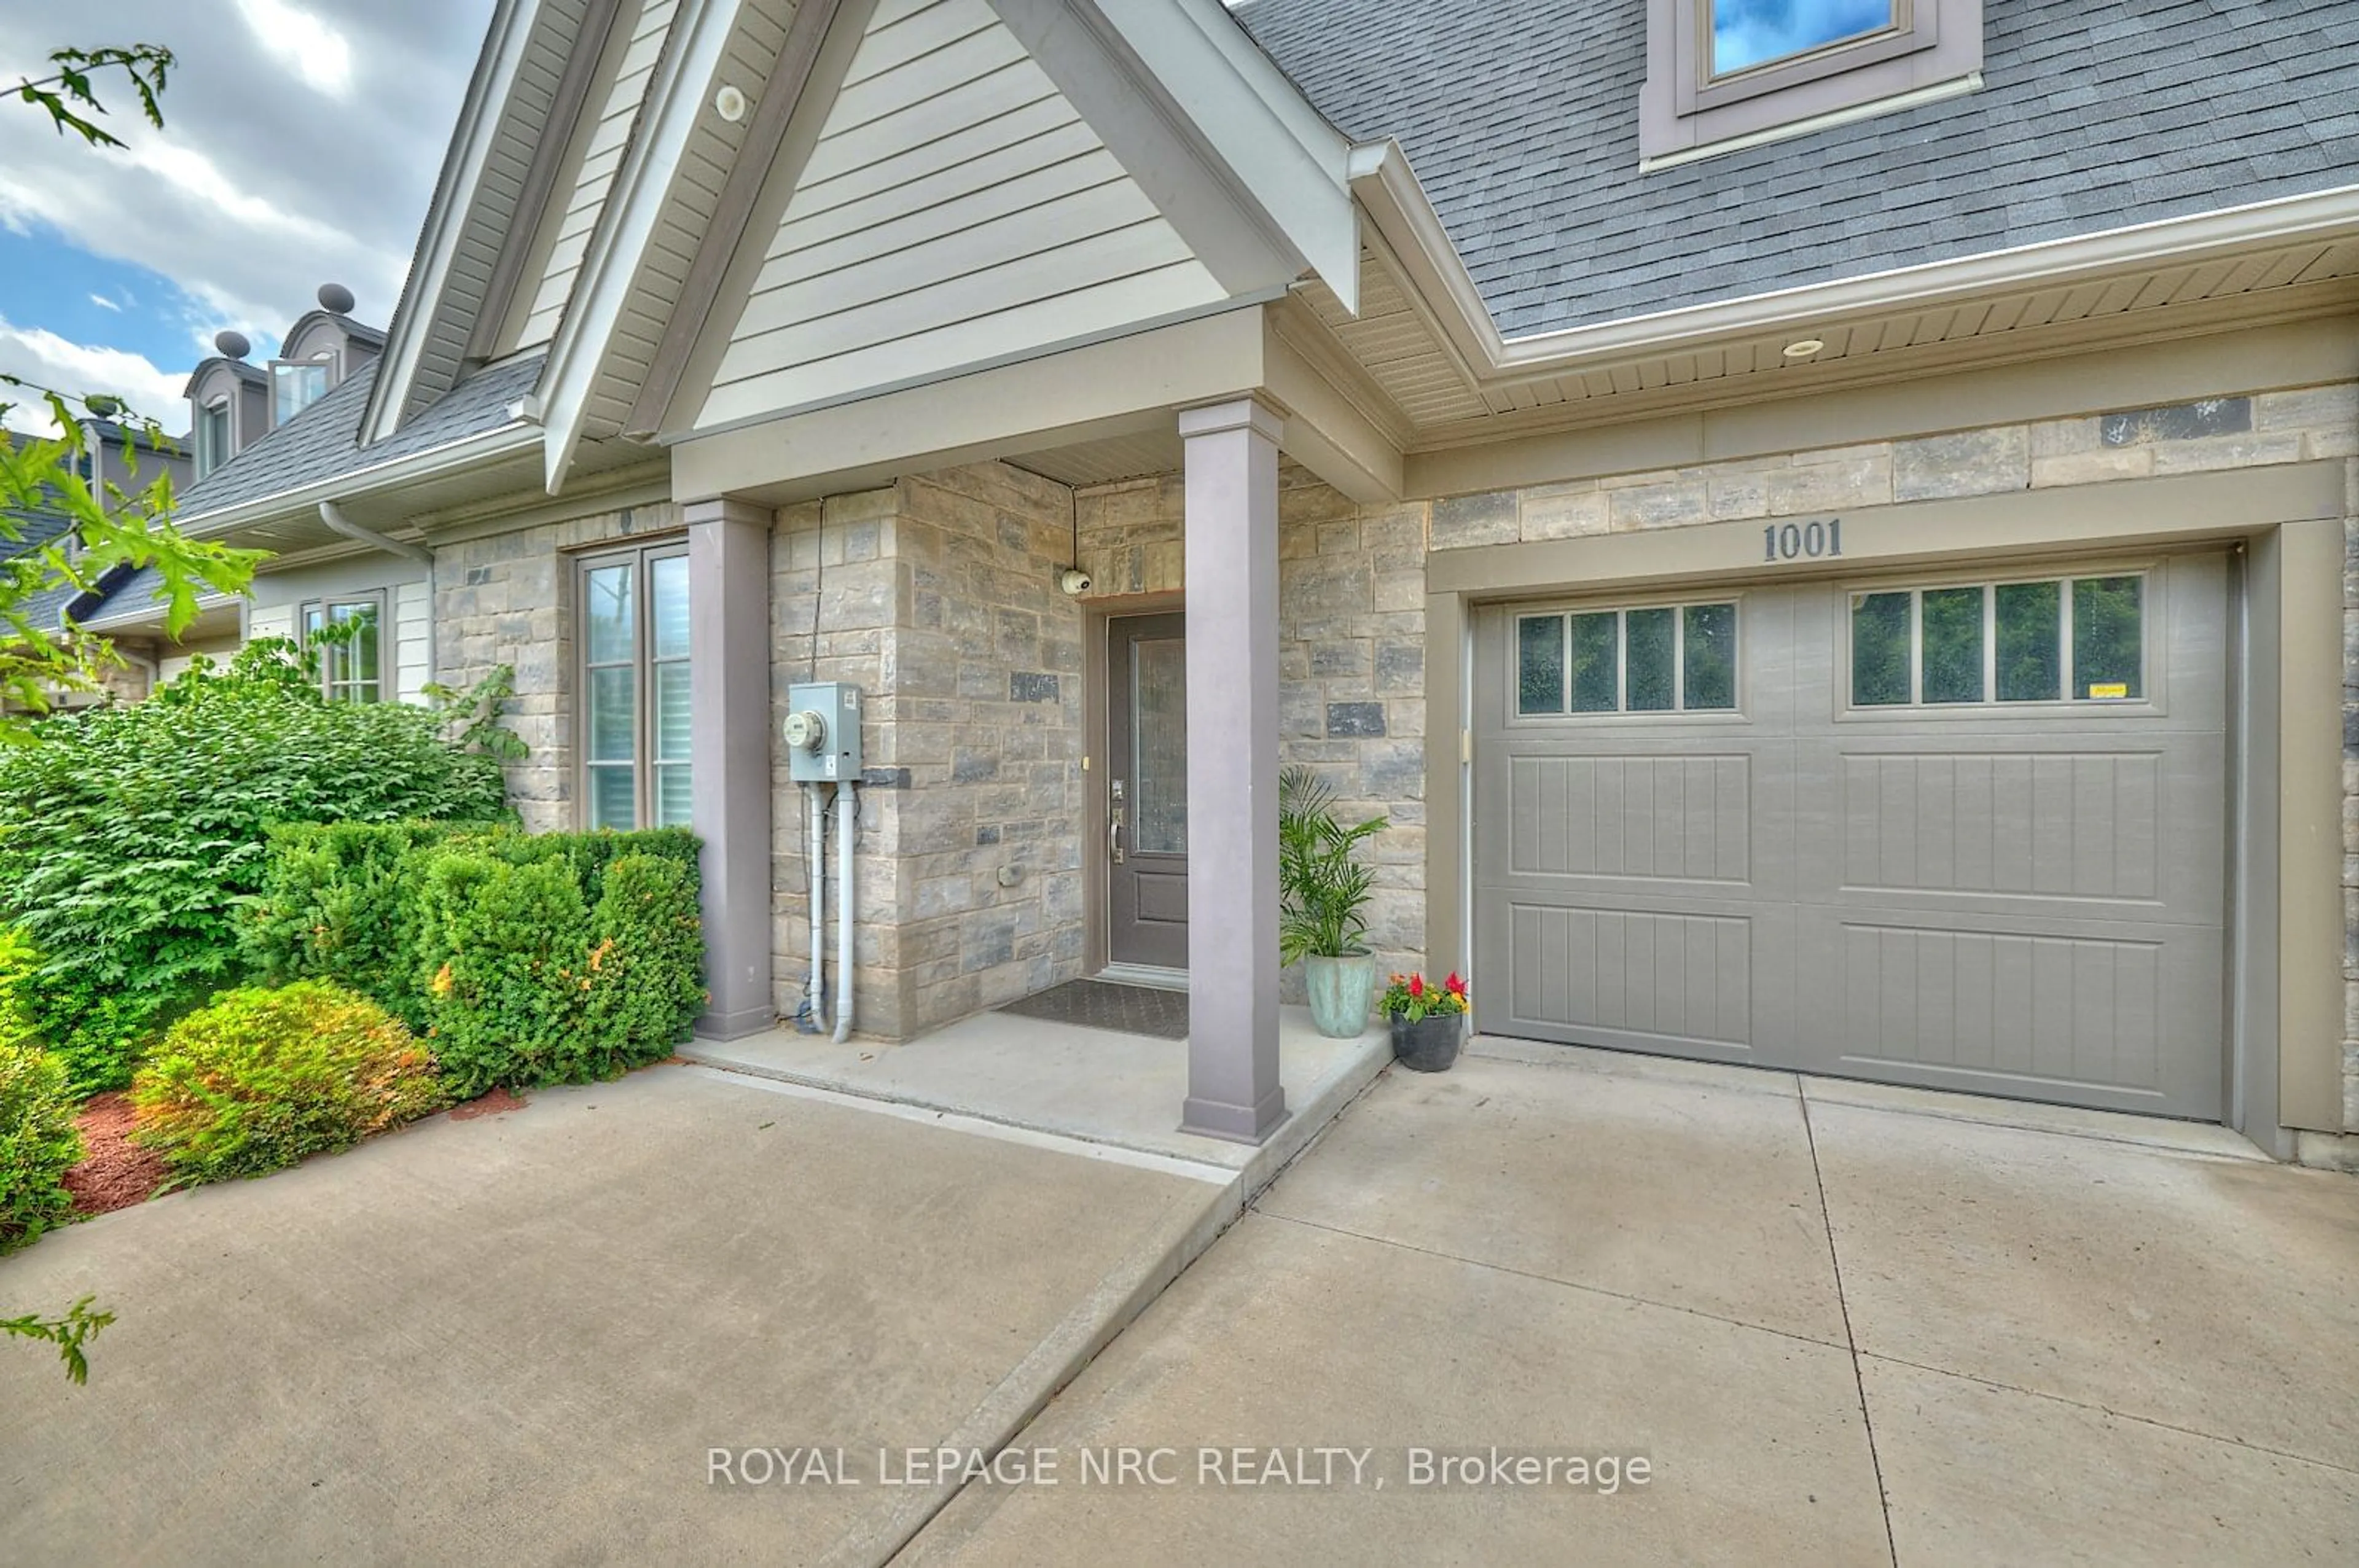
(1123, 1091)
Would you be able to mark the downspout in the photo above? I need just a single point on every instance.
(333, 516)
(845, 793)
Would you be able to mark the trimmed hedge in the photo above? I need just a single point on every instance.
(259, 1079)
(558, 958)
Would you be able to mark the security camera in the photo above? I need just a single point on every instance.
(1074, 581)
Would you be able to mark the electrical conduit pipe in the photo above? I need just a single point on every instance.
(815, 866)
(844, 820)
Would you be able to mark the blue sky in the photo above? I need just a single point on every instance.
(301, 146)
(1746, 32)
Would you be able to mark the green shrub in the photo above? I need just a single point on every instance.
(257, 1079)
(129, 835)
(647, 961)
(91, 1030)
(529, 983)
(555, 957)
(340, 902)
(38, 1140)
(506, 949)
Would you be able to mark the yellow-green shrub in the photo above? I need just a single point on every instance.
(257, 1079)
(38, 1139)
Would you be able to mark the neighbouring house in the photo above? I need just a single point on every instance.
(303, 403)
(114, 458)
(1822, 527)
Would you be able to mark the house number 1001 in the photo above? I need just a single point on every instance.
(1802, 541)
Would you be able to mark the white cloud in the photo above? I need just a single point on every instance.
(303, 43)
(45, 358)
(104, 303)
(263, 185)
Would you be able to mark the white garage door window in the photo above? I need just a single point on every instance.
(1964, 831)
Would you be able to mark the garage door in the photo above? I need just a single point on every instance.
(1962, 831)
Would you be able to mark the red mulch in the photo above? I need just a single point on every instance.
(492, 1104)
(114, 1173)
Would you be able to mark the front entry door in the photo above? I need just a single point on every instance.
(1146, 790)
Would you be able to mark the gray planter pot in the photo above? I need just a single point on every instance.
(1339, 991)
(1431, 1045)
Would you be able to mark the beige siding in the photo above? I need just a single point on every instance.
(171, 665)
(601, 155)
(691, 199)
(279, 621)
(956, 210)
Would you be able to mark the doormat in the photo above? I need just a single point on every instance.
(1100, 1004)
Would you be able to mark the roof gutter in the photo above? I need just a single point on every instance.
(518, 435)
(1405, 223)
(333, 516)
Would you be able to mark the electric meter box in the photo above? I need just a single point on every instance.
(822, 732)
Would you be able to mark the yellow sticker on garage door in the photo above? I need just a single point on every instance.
(2111, 688)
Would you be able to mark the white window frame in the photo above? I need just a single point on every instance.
(349, 688)
(643, 765)
(1932, 50)
(324, 361)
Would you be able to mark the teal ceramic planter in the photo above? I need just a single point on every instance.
(1340, 990)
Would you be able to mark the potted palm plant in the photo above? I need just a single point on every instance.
(1322, 891)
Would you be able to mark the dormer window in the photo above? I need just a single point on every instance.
(1727, 74)
(211, 438)
(295, 386)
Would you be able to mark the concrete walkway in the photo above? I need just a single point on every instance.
(516, 1339)
(1842, 1325)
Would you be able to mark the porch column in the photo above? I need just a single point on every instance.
(1231, 579)
(729, 757)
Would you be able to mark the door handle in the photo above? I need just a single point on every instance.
(1114, 835)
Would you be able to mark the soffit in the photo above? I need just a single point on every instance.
(1449, 399)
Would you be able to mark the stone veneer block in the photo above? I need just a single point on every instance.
(1355, 718)
(1466, 520)
(1974, 462)
(1556, 513)
(2177, 422)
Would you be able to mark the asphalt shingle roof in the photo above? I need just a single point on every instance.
(323, 441)
(1521, 118)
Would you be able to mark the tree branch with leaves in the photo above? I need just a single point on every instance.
(107, 527)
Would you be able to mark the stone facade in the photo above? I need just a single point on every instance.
(938, 597)
(504, 599)
(1350, 657)
(2240, 432)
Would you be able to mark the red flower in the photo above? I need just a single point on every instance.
(1453, 985)
(1416, 985)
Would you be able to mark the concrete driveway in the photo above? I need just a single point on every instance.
(1842, 1325)
(516, 1339)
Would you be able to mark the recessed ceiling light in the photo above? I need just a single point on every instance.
(730, 102)
(1803, 348)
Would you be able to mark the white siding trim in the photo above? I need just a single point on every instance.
(413, 632)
